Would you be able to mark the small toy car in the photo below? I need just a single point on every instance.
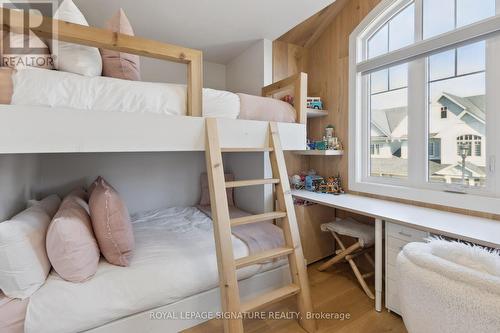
(314, 103)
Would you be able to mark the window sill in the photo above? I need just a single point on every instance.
(469, 201)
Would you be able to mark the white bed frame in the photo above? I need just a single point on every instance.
(208, 301)
(38, 130)
(29, 129)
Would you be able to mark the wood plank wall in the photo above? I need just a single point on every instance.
(327, 64)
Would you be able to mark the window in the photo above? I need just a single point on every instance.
(424, 75)
(444, 112)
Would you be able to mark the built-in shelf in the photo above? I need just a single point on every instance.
(313, 113)
(319, 152)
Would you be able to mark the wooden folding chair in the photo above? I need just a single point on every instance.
(366, 240)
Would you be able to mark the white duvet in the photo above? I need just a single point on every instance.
(41, 87)
(174, 259)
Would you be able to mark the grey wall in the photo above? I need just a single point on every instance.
(145, 180)
(18, 173)
(150, 180)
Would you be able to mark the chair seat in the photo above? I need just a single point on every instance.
(349, 227)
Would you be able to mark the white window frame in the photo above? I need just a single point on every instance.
(416, 187)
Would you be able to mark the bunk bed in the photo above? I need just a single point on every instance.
(86, 131)
(39, 129)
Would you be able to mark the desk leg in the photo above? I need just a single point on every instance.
(378, 264)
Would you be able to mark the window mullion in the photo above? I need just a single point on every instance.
(417, 118)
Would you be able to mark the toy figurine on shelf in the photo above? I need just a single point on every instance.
(337, 185)
(288, 99)
(297, 182)
(314, 103)
(331, 141)
(312, 183)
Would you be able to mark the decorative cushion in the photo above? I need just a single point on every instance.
(71, 245)
(21, 57)
(118, 64)
(6, 85)
(24, 264)
(74, 58)
(205, 190)
(111, 223)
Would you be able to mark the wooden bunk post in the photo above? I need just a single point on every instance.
(14, 20)
(195, 87)
(223, 241)
(299, 84)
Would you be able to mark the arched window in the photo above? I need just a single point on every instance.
(420, 74)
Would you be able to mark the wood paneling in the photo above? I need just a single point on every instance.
(288, 59)
(329, 78)
(306, 33)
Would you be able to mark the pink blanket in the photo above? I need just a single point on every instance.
(266, 109)
(258, 237)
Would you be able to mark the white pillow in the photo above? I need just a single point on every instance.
(75, 58)
(24, 264)
(50, 204)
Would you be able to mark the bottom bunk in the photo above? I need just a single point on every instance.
(173, 267)
(174, 259)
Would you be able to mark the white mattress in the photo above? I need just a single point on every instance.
(41, 87)
(174, 259)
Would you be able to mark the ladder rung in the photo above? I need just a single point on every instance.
(270, 297)
(246, 150)
(251, 182)
(257, 218)
(263, 256)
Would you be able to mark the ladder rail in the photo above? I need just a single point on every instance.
(228, 282)
(226, 263)
(290, 228)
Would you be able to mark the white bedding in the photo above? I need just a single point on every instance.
(174, 259)
(41, 87)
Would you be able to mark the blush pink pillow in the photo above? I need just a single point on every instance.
(118, 64)
(205, 190)
(111, 223)
(71, 245)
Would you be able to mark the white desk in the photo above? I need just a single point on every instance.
(468, 228)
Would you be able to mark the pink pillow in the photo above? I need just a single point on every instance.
(205, 191)
(71, 245)
(111, 223)
(118, 64)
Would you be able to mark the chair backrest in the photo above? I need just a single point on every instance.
(449, 287)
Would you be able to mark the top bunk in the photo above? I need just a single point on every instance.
(42, 114)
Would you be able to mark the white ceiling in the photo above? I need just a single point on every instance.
(221, 28)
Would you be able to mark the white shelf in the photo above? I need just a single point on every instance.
(319, 152)
(313, 113)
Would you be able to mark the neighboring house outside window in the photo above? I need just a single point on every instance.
(424, 103)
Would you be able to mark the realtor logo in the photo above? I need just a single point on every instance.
(27, 36)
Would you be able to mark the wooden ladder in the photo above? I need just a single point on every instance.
(227, 265)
